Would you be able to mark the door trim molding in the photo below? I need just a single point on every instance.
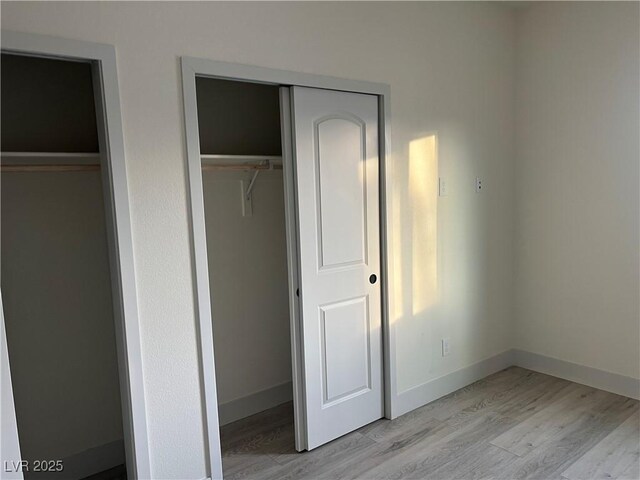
(192, 67)
(114, 177)
(8, 423)
(292, 231)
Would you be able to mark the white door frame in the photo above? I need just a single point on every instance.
(114, 177)
(9, 444)
(192, 67)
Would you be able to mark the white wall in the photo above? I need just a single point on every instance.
(58, 314)
(249, 284)
(577, 183)
(450, 67)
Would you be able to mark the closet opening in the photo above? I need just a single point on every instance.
(57, 296)
(332, 144)
(246, 242)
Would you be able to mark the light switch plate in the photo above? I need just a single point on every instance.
(442, 187)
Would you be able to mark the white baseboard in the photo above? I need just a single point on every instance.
(428, 392)
(593, 377)
(88, 462)
(257, 402)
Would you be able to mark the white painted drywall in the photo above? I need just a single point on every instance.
(249, 285)
(577, 183)
(450, 67)
(56, 292)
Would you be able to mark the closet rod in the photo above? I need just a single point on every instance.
(208, 167)
(51, 168)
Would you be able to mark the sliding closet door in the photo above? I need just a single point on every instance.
(335, 138)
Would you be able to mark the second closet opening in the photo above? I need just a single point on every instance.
(244, 204)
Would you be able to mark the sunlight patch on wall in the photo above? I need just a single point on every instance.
(423, 191)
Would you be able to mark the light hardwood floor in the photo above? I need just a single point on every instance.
(515, 424)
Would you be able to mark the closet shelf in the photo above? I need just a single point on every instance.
(50, 162)
(51, 168)
(236, 168)
(45, 155)
(239, 158)
(86, 162)
(241, 162)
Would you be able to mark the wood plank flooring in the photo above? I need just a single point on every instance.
(515, 424)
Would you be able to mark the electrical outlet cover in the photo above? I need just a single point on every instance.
(446, 347)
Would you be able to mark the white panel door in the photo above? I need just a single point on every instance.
(335, 136)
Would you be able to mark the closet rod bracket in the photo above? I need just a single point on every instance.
(269, 166)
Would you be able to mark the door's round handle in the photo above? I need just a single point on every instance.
(373, 279)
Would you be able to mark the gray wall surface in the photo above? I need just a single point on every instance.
(451, 69)
(248, 281)
(578, 217)
(58, 313)
(237, 118)
(47, 106)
